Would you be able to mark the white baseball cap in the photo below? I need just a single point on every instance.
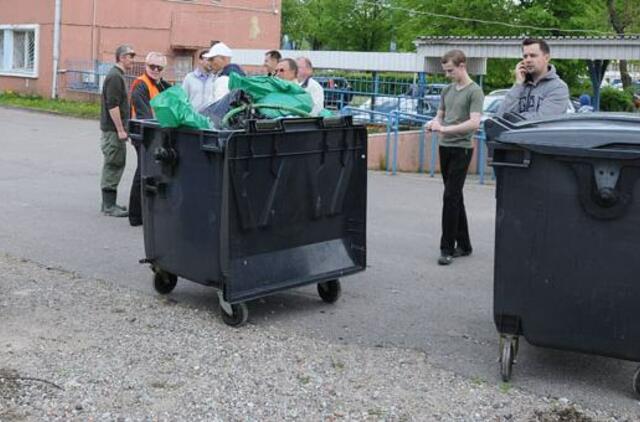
(219, 49)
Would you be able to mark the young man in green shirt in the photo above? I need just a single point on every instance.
(457, 120)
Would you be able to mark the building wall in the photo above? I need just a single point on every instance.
(27, 12)
(174, 27)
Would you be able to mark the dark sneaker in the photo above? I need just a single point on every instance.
(461, 252)
(135, 222)
(445, 259)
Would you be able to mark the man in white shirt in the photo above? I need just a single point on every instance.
(219, 57)
(199, 83)
(305, 71)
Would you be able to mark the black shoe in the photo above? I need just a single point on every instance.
(461, 252)
(445, 259)
(135, 223)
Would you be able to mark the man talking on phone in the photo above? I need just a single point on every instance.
(538, 91)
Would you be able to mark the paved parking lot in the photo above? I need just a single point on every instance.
(49, 213)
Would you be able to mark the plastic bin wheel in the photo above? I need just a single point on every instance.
(330, 290)
(164, 282)
(636, 381)
(239, 315)
(508, 349)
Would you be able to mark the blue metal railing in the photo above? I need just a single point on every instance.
(392, 120)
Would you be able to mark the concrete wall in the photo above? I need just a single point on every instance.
(408, 152)
(92, 29)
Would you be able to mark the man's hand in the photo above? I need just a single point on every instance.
(122, 135)
(435, 126)
(521, 73)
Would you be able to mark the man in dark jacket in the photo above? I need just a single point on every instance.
(143, 89)
(114, 115)
(538, 91)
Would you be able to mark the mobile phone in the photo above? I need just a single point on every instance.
(528, 77)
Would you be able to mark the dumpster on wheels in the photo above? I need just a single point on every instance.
(254, 211)
(567, 235)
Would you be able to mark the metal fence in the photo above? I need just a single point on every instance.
(392, 103)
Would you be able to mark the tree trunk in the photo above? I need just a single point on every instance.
(618, 26)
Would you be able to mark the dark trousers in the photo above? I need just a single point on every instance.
(454, 163)
(135, 195)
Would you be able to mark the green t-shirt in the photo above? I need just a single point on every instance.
(457, 106)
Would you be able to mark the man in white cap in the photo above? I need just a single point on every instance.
(219, 57)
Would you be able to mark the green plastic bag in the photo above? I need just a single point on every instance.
(273, 91)
(173, 109)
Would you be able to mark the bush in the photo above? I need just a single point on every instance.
(612, 99)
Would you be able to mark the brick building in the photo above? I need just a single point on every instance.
(90, 30)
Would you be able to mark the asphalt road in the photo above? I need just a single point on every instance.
(49, 213)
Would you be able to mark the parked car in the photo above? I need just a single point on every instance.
(337, 91)
(385, 104)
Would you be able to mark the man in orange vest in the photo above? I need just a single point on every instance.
(143, 89)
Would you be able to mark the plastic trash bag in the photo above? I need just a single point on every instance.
(267, 90)
(218, 110)
(173, 109)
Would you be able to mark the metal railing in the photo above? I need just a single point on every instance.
(391, 121)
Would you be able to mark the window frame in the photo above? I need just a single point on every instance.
(7, 57)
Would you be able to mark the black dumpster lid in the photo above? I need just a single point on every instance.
(580, 131)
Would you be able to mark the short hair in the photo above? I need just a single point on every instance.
(306, 61)
(544, 47)
(155, 55)
(122, 50)
(274, 54)
(292, 65)
(454, 56)
(202, 53)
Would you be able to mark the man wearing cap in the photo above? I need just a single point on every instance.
(219, 57)
(114, 115)
(143, 89)
(199, 83)
(305, 73)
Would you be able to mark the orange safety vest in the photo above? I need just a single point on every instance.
(151, 86)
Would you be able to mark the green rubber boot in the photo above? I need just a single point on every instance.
(109, 206)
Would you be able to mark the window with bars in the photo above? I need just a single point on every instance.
(18, 50)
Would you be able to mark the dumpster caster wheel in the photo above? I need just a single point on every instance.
(239, 315)
(330, 290)
(164, 282)
(507, 357)
(636, 381)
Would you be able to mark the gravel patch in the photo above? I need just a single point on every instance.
(73, 348)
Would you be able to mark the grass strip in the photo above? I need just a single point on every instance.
(85, 110)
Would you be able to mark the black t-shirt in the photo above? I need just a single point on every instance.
(114, 94)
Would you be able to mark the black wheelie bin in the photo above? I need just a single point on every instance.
(567, 245)
(255, 211)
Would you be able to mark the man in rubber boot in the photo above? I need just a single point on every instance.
(143, 89)
(114, 115)
(457, 120)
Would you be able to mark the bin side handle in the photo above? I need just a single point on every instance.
(136, 130)
(498, 158)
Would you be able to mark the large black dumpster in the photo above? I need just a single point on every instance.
(253, 212)
(567, 247)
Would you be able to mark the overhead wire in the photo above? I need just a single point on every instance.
(489, 22)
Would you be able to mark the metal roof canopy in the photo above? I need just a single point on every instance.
(482, 48)
(597, 51)
(345, 60)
